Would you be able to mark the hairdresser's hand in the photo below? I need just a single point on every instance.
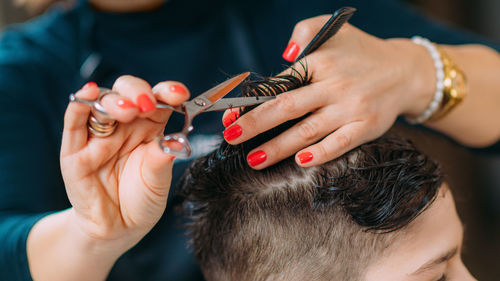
(360, 84)
(118, 185)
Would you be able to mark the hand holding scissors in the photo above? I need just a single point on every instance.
(101, 124)
(118, 185)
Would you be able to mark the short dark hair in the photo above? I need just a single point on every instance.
(287, 222)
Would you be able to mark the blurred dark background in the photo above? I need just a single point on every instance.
(474, 176)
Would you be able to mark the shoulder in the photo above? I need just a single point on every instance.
(33, 51)
(48, 37)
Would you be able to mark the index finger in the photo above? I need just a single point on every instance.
(303, 32)
(75, 132)
(287, 106)
(171, 92)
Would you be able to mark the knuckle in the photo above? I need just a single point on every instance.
(363, 100)
(249, 122)
(69, 128)
(162, 85)
(308, 130)
(304, 29)
(343, 140)
(122, 80)
(161, 88)
(286, 103)
(361, 104)
(322, 152)
(126, 82)
(344, 83)
(273, 150)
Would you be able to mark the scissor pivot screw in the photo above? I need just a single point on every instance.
(199, 102)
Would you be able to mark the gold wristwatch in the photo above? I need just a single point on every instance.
(455, 86)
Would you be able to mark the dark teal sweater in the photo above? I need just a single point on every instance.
(196, 42)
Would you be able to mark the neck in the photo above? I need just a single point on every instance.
(123, 6)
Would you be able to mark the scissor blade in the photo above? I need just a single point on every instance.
(219, 91)
(227, 103)
(167, 106)
(212, 96)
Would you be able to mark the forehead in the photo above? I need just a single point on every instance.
(437, 230)
(443, 207)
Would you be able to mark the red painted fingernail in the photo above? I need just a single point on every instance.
(232, 132)
(305, 157)
(291, 52)
(256, 158)
(144, 102)
(179, 89)
(125, 104)
(230, 118)
(90, 85)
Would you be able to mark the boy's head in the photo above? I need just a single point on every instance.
(379, 212)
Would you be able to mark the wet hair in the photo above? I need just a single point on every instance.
(287, 222)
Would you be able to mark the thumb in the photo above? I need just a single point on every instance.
(156, 170)
(303, 32)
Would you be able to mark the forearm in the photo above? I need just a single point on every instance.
(58, 250)
(476, 121)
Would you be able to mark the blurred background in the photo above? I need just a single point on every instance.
(473, 175)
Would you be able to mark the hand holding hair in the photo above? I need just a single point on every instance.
(359, 85)
(117, 185)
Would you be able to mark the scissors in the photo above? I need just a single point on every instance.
(177, 144)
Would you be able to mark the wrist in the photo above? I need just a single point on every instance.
(58, 249)
(420, 77)
(106, 248)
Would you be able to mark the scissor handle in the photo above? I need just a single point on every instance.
(176, 144)
(95, 104)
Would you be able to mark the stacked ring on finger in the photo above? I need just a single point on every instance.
(100, 123)
(101, 129)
